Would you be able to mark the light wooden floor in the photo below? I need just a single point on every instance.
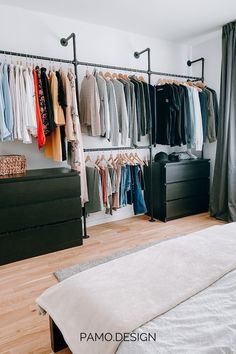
(22, 330)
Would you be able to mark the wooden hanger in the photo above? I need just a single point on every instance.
(128, 159)
(102, 162)
(160, 82)
(120, 76)
(110, 161)
(98, 159)
(146, 160)
(88, 158)
(138, 159)
(190, 83)
(200, 84)
(141, 78)
(132, 158)
(108, 75)
(115, 76)
(119, 159)
(101, 74)
(176, 82)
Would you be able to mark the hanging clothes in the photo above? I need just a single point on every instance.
(69, 128)
(173, 113)
(125, 185)
(75, 148)
(204, 112)
(216, 108)
(104, 106)
(40, 131)
(4, 132)
(95, 200)
(26, 137)
(127, 92)
(42, 103)
(165, 105)
(12, 86)
(133, 117)
(62, 102)
(114, 120)
(122, 110)
(59, 117)
(211, 127)
(138, 105)
(8, 112)
(48, 100)
(120, 183)
(54, 147)
(116, 195)
(90, 106)
(198, 121)
(147, 107)
(30, 107)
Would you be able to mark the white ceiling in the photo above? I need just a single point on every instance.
(168, 19)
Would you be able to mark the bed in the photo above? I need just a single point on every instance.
(179, 296)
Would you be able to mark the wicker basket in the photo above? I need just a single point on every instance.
(12, 164)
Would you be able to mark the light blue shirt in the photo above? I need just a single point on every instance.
(4, 132)
(8, 112)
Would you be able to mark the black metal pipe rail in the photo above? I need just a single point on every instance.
(39, 57)
(98, 65)
(116, 148)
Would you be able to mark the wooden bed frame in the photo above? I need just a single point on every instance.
(57, 340)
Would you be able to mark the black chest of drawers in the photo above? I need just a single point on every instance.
(40, 212)
(179, 188)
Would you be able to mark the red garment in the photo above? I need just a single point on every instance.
(104, 185)
(40, 130)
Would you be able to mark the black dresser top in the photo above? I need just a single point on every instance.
(44, 173)
(192, 161)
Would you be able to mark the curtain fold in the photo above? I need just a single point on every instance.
(223, 196)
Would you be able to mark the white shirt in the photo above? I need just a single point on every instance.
(198, 121)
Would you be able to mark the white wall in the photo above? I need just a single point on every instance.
(37, 33)
(210, 48)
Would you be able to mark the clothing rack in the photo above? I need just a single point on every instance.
(76, 63)
(107, 66)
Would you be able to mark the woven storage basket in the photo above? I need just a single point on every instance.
(12, 164)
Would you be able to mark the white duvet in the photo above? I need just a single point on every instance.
(122, 295)
(204, 324)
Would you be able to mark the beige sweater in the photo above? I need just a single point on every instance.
(90, 106)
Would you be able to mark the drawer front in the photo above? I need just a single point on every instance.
(34, 242)
(175, 173)
(187, 206)
(31, 215)
(187, 189)
(40, 190)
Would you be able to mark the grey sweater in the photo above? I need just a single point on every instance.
(122, 110)
(90, 106)
(114, 135)
(104, 106)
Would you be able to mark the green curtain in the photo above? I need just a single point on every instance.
(223, 196)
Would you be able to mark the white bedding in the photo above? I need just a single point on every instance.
(204, 324)
(125, 293)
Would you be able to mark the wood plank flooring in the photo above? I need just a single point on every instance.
(22, 329)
